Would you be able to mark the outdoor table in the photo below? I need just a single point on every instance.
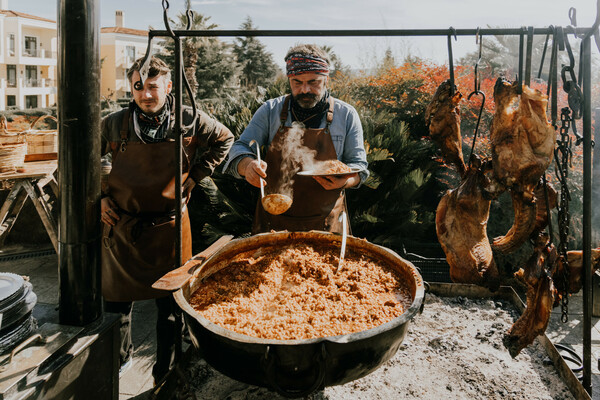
(29, 181)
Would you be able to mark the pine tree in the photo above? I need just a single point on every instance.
(388, 61)
(257, 65)
(209, 63)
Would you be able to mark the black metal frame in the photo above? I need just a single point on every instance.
(584, 33)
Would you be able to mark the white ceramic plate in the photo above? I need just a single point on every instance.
(316, 173)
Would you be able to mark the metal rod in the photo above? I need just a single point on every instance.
(79, 229)
(451, 60)
(596, 184)
(553, 82)
(521, 51)
(528, 57)
(357, 32)
(587, 215)
(178, 147)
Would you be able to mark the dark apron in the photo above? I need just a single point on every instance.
(313, 207)
(141, 247)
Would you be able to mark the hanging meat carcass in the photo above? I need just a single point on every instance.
(442, 116)
(461, 226)
(575, 269)
(522, 142)
(541, 192)
(536, 275)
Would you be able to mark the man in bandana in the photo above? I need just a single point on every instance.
(325, 129)
(138, 203)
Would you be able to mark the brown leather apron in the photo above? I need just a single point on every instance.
(313, 207)
(141, 247)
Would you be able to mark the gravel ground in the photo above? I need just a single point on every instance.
(453, 350)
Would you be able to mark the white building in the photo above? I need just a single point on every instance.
(28, 59)
(28, 54)
(119, 48)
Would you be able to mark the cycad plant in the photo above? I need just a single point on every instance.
(395, 206)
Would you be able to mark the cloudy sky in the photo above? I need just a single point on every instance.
(358, 52)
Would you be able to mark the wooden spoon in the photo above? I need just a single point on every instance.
(175, 279)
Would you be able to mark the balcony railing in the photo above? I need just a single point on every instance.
(32, 83)
(42, 53)
(27, 83)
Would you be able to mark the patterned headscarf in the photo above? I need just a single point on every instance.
(298, 63)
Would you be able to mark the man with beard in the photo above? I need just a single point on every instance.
(139, 203)
(329, 130)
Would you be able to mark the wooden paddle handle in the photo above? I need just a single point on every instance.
(175, 279)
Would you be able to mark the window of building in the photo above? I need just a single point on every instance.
(30, 46)
(31, 76)
(31, 101)
(129, 54)
(11, 44)
(11, 100)
(11, 75)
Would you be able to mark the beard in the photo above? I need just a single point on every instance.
(307, 100)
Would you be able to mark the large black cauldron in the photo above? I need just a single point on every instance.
(296, 368)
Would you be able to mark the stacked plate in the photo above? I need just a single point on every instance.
(17, 300)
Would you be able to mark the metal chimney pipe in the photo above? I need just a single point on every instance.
(79, 161)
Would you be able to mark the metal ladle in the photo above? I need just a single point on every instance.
(272, 203)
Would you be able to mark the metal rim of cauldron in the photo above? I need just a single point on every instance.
(395, 324)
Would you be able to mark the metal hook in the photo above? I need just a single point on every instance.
(539, 75)
(477, 91)
(480, 93)
(165, 4)
(571, 87)
(190, 17)
(573, 16)
(451, 31)
(145, 67)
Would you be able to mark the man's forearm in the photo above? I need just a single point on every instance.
(242, 165)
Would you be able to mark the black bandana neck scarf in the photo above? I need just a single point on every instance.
(153, 127)
(310, 117)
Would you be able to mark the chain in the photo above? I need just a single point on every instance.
(563, 163)
(570, 83)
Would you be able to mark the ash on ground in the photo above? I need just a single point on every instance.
(453, 350)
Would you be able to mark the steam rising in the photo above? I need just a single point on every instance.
(295, 157)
